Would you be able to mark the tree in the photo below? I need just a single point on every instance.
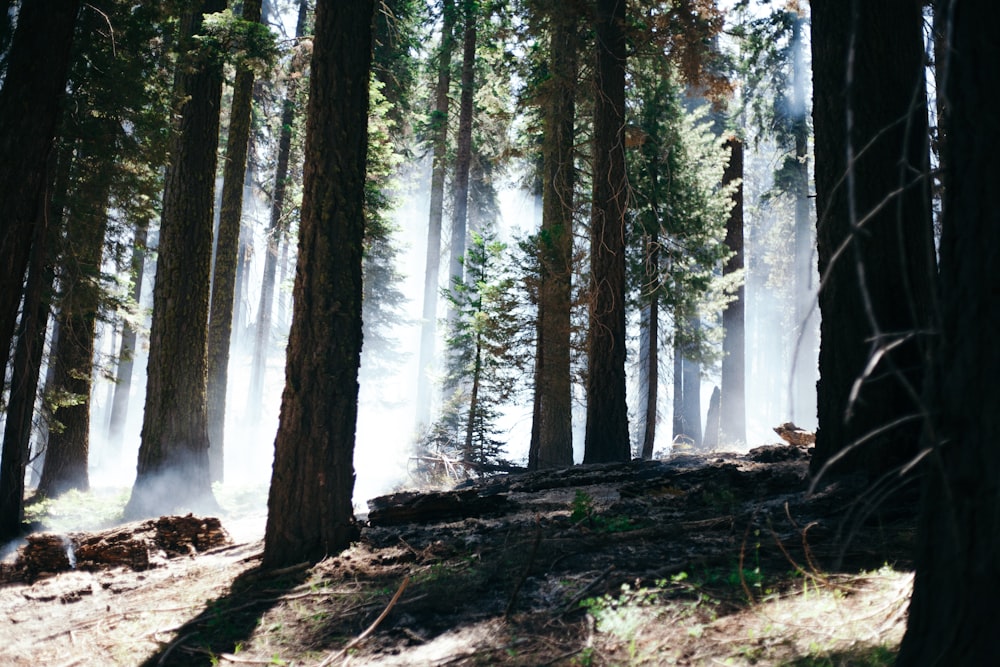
(173, 455)
(607, 416)
(553, 383)
(955, 588)
(439, 165)
(36, 69)
(874, 233)
(310, 513)
(732, 416)
(220, 321)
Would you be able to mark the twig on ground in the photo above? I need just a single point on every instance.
(330, 659)
(571, 605)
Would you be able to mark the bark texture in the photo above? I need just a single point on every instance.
(173, 456)
(607, 438)
(952, 616)
(35, 82)
(733, 413)
(873, 231)
(310, 514)
(553, 383)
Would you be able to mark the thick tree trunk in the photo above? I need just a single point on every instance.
(649, 370)
(173, 456)
(27, 364)
(463, 153)
(310, 514)
(432, 264)
(275, 232)
(553, 386)
(952, 617)
(873, 232)
(733, 414)
(607, 436)
(35, 82)
(126, 352)
(220, 321)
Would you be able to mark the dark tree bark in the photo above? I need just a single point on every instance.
(220, 321)
(873, 232)
(439, 167)
(553, 384)
(607, 437)
(275, 232)
(173, 455)
(952, 616)
(733, 414)
(463, 152)
(37, 65)
(310, 513)
(26, 367)
(68, 452)
(126, 351)
(649, 350)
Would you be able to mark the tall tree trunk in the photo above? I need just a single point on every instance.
(687, 386)
(439, 167)
(649, 347)
(873, 232)
(607, 436)
(732, 420)
(35, 82)
(27, 364)
(220, 321)
(468, 454)
(310, 514)
(463, 154)
(952, 616)
(126, 352)
(68, 451)
(173, 455)
(275, 232)
(553, 385)
(802, 398)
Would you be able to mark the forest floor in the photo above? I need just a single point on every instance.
(694, 560)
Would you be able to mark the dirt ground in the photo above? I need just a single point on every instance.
(694, 560)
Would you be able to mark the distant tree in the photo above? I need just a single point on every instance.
(874, 232)
(952, 611)
(310, 513)
(173, 455)
(250, 34)
(607, 437)
(36, 68)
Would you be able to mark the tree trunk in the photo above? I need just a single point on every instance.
(687, 392)
(275, 232)
(607, 436)
(553, 385)
(953, 609)
(27, 364)
(68, 451)
(432, 264)
(35, 82)
(173, 455)
(310, 514)
(126, 352)
(733, 427)
(463, 154)
(802, 397)
(649, 346)
(873, 232)
(220, 321)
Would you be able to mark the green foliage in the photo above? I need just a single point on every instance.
(584, 511)
(248, 44)
(78, 510)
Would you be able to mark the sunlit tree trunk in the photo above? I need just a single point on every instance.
(732, 419)
(173, 455)
(310, 514)
(607, 436)
(220, 322)
(439, 167)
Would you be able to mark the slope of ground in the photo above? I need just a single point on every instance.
(718, 559)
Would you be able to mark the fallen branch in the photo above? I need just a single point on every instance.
(330, 659)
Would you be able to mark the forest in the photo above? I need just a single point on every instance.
(521, 332)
